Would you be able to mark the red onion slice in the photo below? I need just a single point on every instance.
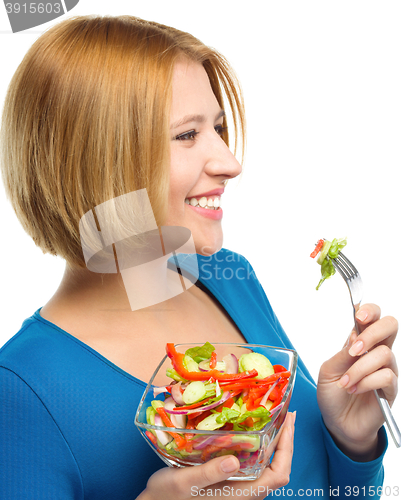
(231, 362)
(177, 394)
(179, 421)
(202, 443)
(160, 390)
(276, 409)
(266, 396)
(182, 411)
(204, 366)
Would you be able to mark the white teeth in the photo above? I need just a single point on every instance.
(208, 203)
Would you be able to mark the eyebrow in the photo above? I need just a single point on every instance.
(195, 118)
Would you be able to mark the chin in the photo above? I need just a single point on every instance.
(208, 248)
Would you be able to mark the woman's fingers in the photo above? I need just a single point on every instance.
(368, 313)
(377, 359)
(375, 330)
(182, 484)
(281, 463)
(213, 472)
(382, 379)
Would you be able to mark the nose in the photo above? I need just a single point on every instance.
(220, 160)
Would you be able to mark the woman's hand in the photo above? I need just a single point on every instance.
(346, 382)
(189, 482)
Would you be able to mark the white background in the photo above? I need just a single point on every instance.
(322, 85)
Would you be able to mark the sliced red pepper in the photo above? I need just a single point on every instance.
(167, 422)
(152, 437)
(279, 368)
(208, 451)
(228, 427)
(177, 361)
(254, 382)
(317, 249)
(248, 422)
(202, 416)
(223, 441)
(282, 391)
(226, 404)
(213, 360)
(192, 416)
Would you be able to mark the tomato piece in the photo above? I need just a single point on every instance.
(317, 249)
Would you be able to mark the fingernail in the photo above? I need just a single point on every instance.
(356, 348)
(229, 465)
(361, 315)
(343, 381)
(351, 390)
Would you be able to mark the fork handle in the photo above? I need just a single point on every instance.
(383, 403)
(388, 417)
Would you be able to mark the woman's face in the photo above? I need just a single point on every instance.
(200, 160)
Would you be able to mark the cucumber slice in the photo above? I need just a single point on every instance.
(150, 415)
(323, 252)
(252, 439)
(157, 404)
(254, 360)
(195, 392)
(209, 423)
(190, 364)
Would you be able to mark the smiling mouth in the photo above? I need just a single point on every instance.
(210, 203)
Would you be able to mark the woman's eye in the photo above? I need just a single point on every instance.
(187, 136)
(220, 129)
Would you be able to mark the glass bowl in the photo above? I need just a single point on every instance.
(252, 448)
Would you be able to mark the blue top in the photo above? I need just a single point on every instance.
(67, 413)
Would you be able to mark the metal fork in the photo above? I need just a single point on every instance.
(353, 281)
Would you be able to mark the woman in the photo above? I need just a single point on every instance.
(101, 107)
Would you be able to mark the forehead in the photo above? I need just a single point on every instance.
(192, 92)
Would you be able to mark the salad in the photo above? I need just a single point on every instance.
(208, 394)
(327, 250)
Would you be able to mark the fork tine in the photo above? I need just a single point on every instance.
(349, 263)
(340, 269)
(347, 269)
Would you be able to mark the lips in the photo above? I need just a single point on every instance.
(215, 214)
(214, 192)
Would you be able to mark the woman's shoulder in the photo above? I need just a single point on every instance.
(232, 272)
(37, 350)
(26, 339)
(225, 265)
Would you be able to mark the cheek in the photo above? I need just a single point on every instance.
(183, 173)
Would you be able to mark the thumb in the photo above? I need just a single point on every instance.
(212, 472)
(186, 482)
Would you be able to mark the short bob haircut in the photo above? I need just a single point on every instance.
(86, 119)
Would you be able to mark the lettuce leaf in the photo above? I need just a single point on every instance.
(200, 353)
(327, 267)
(228, 415)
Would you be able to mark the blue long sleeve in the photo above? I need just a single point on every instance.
(35, 460)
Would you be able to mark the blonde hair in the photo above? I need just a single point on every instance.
(86, 119)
